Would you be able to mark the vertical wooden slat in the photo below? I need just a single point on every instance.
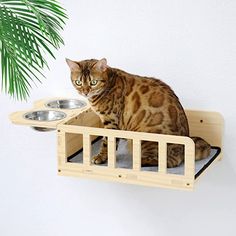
(189, 160)
(86, 149)
(136, 154)
(61, 148)
(162, 157)
(111, 152)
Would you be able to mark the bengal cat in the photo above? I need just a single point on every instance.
(130, 102)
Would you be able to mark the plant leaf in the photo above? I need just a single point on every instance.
(28, 30)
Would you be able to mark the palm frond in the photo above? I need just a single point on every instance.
(28, 29)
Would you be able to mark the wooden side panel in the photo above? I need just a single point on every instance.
(74, 142)
(207, 125)
(86, 118)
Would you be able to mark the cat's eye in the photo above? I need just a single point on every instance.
(78, 82)
(93, 82)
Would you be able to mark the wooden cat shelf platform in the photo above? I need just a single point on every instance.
(79, 130)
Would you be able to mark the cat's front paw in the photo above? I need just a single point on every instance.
(99, 159)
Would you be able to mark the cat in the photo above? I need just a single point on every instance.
(125, 101)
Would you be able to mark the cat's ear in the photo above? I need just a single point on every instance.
(101, 65)
(73, 65)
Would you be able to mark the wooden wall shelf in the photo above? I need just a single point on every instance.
(82, 126)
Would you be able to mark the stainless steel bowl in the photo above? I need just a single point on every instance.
(66, 104)
(44, 115)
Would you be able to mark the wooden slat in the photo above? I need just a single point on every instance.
(189, 161)
(86, 149)
(61, 148)
(136, 154)
(111, 152)
(162, 157)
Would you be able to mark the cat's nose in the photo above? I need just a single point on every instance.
(86, 93)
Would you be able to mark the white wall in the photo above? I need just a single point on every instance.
(191, 45)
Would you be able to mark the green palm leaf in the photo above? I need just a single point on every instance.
(28, 30)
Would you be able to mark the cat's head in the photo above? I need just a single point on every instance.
(89, 77)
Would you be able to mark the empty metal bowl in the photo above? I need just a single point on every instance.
(66, 104)
(44, 115)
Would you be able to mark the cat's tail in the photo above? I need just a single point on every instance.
(202, 148)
